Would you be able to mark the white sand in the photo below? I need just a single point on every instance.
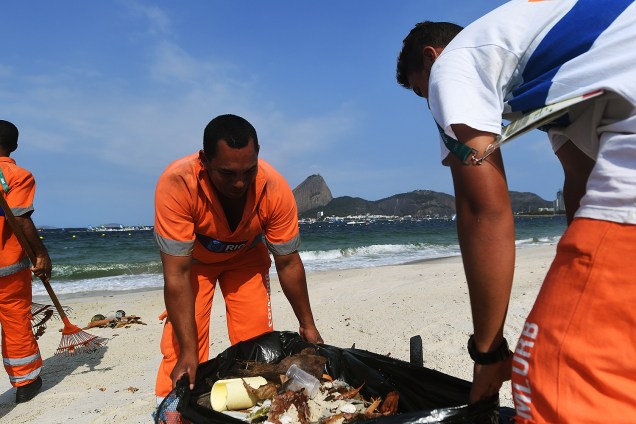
(378, 309)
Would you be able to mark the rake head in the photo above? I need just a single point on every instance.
(75, 340)
(38, 310)
(40, 314)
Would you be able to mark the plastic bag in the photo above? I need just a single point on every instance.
(426, 395)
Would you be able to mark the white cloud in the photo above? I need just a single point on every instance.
(155, 117)
(156, 18)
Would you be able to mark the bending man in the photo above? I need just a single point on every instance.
(217, 212)
(520, 57)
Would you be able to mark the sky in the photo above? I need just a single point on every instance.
(107, 93)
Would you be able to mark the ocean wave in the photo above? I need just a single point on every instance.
(113, 283)
(100, 270)
(537, 241)
(374, 255)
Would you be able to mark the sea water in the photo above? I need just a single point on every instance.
(90, 261)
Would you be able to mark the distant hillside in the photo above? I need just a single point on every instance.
(418, 203)
(312, 194)
(527, 202)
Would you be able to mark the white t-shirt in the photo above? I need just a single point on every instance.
(527, 54)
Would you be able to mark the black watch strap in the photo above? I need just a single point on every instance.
(488, 358)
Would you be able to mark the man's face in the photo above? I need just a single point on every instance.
(232, 171)
(418, 81)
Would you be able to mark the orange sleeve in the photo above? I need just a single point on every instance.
(20, 199)
(281, 225)
(174, 220)
(21, 191)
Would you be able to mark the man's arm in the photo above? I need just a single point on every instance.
(291, 274)
(179, 300)
(576, 167)
(42, 266)
(485, 229)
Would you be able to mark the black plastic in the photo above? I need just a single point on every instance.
(426, 395)
(416, 351)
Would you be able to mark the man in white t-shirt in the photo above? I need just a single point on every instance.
(576, 357)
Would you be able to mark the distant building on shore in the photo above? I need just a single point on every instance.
(559, 203)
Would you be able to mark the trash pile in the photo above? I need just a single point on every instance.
(293, 391)
(389, 391)
(118, 319)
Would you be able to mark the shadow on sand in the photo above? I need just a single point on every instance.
(54, 370)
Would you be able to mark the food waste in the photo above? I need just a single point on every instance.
(279, 399)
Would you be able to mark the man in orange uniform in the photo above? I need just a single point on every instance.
(20, 352)
(217, 212)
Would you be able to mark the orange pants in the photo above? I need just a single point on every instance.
(576, 357)
(244, 283)
(20, 352)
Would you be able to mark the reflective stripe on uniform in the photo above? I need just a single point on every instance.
(22, 211)
(12, 269)
(173, 247)
(30, 376)
(14, 362)
(285, 248)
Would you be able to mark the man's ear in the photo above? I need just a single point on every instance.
(203, 158)
(430, 53)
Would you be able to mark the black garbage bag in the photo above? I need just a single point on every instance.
(426, 395)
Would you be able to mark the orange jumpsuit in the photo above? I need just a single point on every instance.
(20, 353)
(189, 220)
(575, 360)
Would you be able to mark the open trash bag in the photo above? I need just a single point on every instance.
(425, 395)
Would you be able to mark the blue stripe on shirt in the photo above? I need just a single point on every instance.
(572, 36)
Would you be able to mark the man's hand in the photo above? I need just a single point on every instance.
(42, 268)
(311, 335)
(487, 379)
(186, 364)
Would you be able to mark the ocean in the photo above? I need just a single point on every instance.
(89, 260)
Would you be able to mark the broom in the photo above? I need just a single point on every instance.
(74, 339)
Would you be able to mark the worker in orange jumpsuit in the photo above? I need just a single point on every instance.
(20, 352)
(217, 213)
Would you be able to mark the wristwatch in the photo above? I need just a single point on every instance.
(488, 358)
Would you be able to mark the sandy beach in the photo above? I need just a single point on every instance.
(378, 309)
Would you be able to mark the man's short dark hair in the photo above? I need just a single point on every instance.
(411, 58)
(236, 132)
(8, 136)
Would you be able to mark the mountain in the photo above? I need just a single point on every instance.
(527, 202)
(313, 196)
(418, 203)
(312, 193)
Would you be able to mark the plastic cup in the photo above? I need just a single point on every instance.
(231, 394)
(299, 379)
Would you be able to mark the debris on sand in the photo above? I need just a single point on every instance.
(116, 322)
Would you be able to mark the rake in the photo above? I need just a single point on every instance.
(74, 339)
(41, 314)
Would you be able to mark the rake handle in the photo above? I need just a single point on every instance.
(28, 249)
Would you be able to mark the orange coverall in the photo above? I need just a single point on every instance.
(578, 347)
(20, 353)
(189, 220)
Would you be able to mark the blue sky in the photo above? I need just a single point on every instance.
(106, 94)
